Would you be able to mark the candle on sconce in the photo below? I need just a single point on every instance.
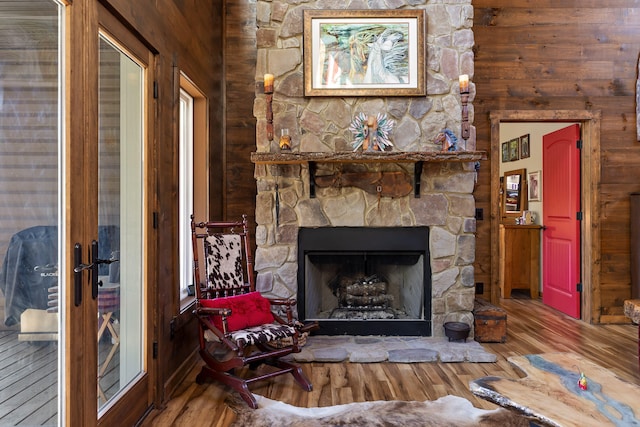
(465, 130)
(268, 90)
(464, 83)
(268, 83)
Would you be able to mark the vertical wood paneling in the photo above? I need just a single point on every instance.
(568, 55)
(240, 70)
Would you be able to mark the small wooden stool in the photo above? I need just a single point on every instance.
(490, 322)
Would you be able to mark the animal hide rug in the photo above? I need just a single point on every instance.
(446, 411)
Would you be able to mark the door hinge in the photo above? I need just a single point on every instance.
(579, 144)
(155, 90)
(155, 220)
(155, 349)
(579, 216)
(579, 287)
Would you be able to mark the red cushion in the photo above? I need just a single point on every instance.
(247, 310)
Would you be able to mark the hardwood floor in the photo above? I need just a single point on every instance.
(532, 328)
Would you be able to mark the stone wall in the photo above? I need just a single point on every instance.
(446, 202)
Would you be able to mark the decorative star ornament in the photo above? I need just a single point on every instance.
(371, 133)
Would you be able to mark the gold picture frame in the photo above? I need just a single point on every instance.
(344, 52)
(535, 186)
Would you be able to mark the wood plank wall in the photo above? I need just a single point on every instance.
(240, 125)
(570, 55)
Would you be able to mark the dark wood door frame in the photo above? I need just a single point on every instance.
(590, 178)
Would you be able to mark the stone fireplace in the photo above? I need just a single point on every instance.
(442, 199)
(445, 208)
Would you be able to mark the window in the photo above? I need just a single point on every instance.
(193, 182)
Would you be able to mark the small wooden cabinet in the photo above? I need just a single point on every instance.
(519, 258)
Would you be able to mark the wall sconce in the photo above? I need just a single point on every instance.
(464, 97)
(268, 91)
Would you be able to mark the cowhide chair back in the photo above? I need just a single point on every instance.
(224, 270)
(237, 325)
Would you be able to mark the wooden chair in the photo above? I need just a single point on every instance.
(239, 327)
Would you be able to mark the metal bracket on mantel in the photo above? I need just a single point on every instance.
(312, 180)
(417, 173)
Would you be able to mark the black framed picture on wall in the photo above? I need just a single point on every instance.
(514, 149)
(505, 152)
(525, 151)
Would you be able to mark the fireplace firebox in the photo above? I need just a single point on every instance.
(365, 280)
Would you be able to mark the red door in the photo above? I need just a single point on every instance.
(561, 205)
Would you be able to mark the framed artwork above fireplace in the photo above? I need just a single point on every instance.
(364, 52)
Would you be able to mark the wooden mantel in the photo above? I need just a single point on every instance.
(368, 157)
(416, 157)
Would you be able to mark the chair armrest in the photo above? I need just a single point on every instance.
(287, 303)
(210, 311)
(204, 313)
(307, 326)
(207, 323)
(283, 301)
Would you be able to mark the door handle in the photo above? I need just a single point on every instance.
(77, 274)
(80, 267)
(93, 267)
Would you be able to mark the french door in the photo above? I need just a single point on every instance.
(76, 241)
(118, 237)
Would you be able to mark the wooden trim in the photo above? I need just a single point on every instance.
(180, 375)
(591, 257)
(128, 412)
(80, 182)
(590, 198)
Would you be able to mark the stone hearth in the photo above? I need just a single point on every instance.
(375, 349)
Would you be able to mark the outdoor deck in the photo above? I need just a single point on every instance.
(29, 384)
(28, 381)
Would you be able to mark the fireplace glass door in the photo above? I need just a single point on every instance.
(366, 281)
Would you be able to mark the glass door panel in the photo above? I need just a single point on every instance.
(31, 222)
(120, 221)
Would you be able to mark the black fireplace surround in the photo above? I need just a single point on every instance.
(365, 280)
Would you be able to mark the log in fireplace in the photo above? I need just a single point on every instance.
(365, 280)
